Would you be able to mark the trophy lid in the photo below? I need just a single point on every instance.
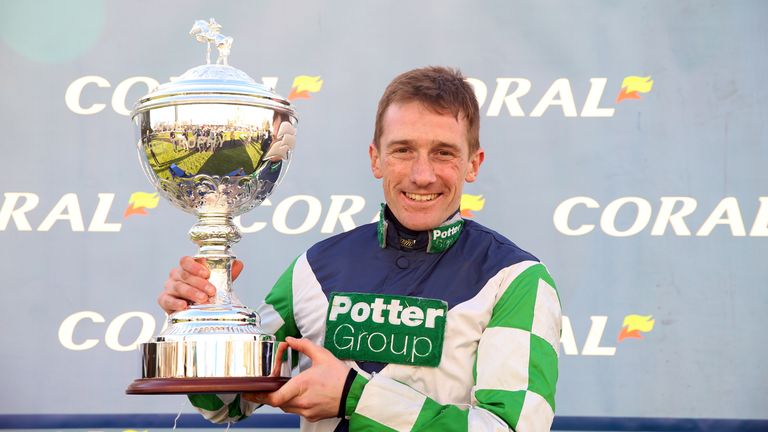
(217, 83)
(213, 83)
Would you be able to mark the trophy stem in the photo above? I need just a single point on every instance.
(214, 233)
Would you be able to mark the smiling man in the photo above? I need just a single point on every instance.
(422, 321)
(424, 161)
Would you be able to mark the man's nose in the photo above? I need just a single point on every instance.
(422, 171)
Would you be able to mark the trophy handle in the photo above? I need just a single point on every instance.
(214, 233)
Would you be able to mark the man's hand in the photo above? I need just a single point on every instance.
(188, 284)
(314, 394)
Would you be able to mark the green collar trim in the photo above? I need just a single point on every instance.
(440, 238)
(444, 236)
(381, 228)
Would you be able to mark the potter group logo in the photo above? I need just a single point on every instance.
(304, 85)
(139, 202)
(635, 325)
(632, 86)
(470, 203)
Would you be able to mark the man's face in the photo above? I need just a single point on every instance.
(424, 161)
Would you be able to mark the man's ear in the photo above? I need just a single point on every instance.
(474, 165)
(375, 161)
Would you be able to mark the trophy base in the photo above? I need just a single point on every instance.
(212, 362)
(156, 386)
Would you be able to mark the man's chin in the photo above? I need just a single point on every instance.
(420, 223)
(419, 215)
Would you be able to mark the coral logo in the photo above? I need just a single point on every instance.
(672, 213)
(595, 344)
(139, 202)
(303, 85)
(635, 325)
(470, 203)
(523, 98)
(93, 88)
(632, 86)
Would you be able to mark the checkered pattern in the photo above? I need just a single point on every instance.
(225, 408)
(515, 367)
(515, 320)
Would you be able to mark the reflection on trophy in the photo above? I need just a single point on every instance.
(216, 144)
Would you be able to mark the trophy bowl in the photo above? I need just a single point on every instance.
(214, 143)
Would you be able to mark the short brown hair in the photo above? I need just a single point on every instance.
(439, 89)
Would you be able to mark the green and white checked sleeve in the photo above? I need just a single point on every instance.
(515, 371)
(276, 318)
(224, 408)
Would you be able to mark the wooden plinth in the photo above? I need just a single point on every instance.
(205, 385)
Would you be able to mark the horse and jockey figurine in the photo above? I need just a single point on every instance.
(208, 32)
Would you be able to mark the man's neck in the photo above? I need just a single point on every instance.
(392, 233)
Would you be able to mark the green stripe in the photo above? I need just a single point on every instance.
(281, 298)
(547, 278)
(507, 405)
(355, 392)
(542, 369)
(234, 408)
(515, 307)
(208, 402)
(434, 416)
(361, 423)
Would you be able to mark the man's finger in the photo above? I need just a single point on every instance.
(288, 391)
(184, 291)
(256, 397)
(169, 300)
(171, 304)
(195, 266)
(198, 283)
(177, 278)
(195, 281)
(306, 347)
(237, 268)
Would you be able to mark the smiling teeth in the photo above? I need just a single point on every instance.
(419, 197)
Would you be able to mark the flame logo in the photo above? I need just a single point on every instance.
(470, 203)
(634, 325)
(139, 201)
(632, 86)
(303, 85)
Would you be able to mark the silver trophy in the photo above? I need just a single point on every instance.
(215, 143)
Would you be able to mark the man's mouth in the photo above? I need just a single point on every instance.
(421, 197)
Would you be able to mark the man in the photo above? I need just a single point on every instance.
(440, 323)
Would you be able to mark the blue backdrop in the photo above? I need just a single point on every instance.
(626, 147)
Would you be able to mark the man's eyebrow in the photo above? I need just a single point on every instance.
(437, 144)
(400, 142)
(445, 144)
